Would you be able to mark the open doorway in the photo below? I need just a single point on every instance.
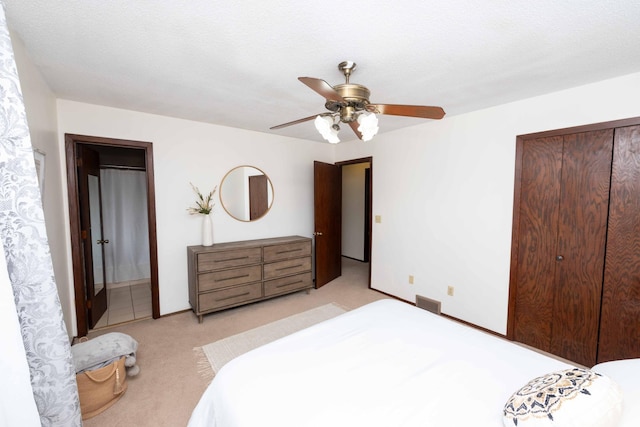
(356, 210)
(342, 216)
(113, 232)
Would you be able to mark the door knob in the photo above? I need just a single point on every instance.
(102, 242)
(317, 233)
(559, 257)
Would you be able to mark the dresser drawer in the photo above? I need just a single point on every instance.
(287, 267)
(230, 296)
(287, 250)
(287, 284)
(230, 277)
(210, 261)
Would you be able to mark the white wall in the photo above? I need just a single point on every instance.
(353, 199)
(235, 201)
(186, 151)
(444, 190)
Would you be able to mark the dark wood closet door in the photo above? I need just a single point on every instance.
(562, 230)
(620, 318)
(582, 232)
(540, 192)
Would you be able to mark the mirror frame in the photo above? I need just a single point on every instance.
(270, 193)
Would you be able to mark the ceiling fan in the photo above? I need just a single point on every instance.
(349, 103)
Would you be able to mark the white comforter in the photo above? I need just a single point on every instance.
(385, 364)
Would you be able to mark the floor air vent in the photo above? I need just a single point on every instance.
(428, 304)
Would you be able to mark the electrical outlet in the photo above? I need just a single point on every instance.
(411, 280)
(450, 290)
(378, 219)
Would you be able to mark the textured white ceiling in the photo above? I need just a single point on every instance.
(236, 63)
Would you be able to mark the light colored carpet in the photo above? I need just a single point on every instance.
(214, 356)
(169, 386)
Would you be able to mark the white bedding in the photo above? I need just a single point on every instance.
(626, 373)
(385, 364)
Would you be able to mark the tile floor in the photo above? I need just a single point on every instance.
(126, 302)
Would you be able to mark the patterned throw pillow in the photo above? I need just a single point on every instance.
(572, 397)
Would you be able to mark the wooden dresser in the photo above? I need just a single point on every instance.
(230, 274)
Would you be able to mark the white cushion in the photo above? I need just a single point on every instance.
(568, 398)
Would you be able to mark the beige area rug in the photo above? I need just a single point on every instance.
(214, 356)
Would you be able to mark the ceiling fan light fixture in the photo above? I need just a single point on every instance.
(349, 103)
(368, 125)
(325, 126)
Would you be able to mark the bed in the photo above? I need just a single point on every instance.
(384, 364)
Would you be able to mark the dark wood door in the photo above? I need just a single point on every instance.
(620, 315)
(367, 214)
(93, 240)
(582, 233)
(258, 196)
(327, 222)
(124, 149)
(561, 242)
(541, 174)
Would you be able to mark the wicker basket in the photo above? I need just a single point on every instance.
(101, 388)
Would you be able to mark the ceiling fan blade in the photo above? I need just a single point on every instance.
(322, 87)
(295, 122)
(422, 111)
(354, 125)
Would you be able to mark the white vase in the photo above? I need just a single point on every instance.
(207, 230)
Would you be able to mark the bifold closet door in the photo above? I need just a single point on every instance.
(541, 174)
(582, 233)
(562, 228)
(620, 318)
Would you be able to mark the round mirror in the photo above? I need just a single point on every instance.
(246, 193)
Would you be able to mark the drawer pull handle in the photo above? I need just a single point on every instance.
(235, 259)
(289, 284)
(290, 250)
(234, 277)
(288, 268)
(234, 296)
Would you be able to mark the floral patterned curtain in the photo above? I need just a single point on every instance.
(24, 239)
